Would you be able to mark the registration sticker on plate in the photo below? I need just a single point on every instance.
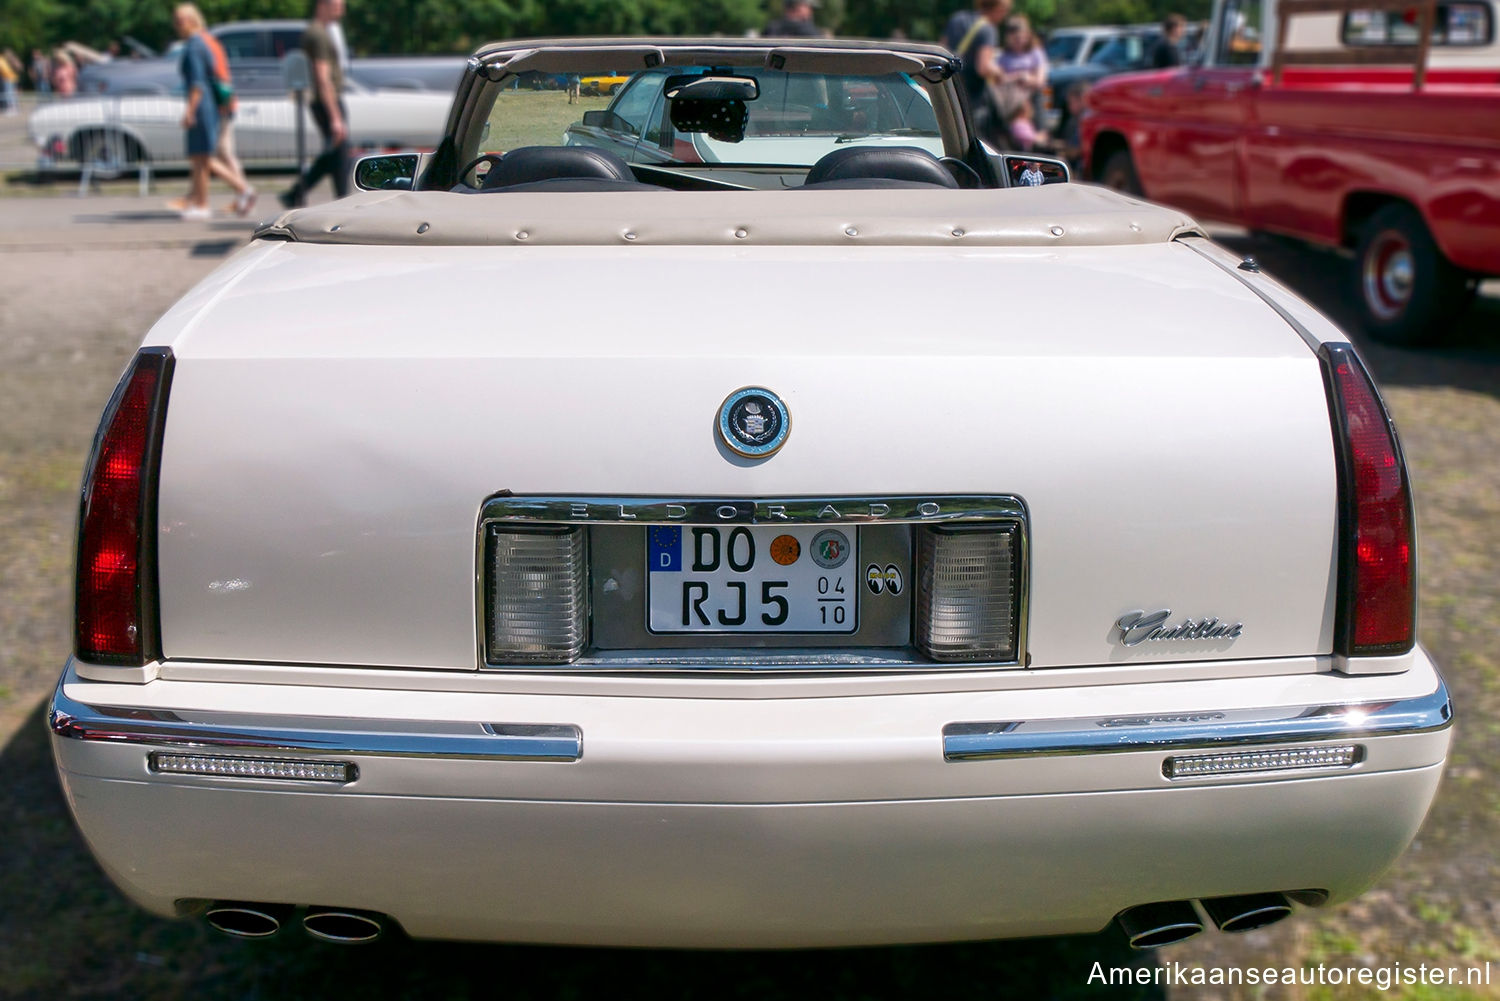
(751, 580)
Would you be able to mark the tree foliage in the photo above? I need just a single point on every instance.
(395, 26)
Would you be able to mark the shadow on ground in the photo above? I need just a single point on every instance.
(66, 932)
(1468, 358)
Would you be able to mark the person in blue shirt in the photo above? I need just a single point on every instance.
(200, 120)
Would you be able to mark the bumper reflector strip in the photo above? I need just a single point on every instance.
(1280, 759)
(253, 768)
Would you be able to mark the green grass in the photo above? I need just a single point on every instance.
(534, 118)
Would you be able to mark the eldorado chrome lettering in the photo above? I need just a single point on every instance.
(1139, 627)
(839, 510)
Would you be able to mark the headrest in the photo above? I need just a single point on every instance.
(543, 163)
(889, 163)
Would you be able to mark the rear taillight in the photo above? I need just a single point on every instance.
(115, 617)
(1376, 605)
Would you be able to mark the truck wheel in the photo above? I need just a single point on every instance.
(1119, 173)
(1408, 293)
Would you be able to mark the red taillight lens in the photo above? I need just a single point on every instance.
(1377, 551)
(115, 619)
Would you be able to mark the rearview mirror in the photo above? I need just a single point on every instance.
(1023, 170)
(386, 172)
(712, 88)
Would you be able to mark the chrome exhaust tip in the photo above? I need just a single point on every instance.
(1246, 912)
(1150, 926)
(243, 920)
(345, 927)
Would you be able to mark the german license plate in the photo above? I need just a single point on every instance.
(710, 579)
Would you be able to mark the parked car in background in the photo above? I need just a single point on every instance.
(1331, 139)
(1075, 46)
(539, 546)
(795, 118)
(256, 50)
(1110, 51)
(604, 84)
(148, 129)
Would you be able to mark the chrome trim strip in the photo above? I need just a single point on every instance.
(605, 510)
(1182, 731)
(260, 732)
(1240, 275)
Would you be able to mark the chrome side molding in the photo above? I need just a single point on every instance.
(1209, 729)
(257, 732)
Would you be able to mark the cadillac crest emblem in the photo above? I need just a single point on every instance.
(753, 422)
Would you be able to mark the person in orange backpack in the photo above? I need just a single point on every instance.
(223, 163)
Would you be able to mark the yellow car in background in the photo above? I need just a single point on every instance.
(597, 86)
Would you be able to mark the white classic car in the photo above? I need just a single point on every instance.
(855, 610)
(148, 128)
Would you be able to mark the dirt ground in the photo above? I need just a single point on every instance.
(81, 281)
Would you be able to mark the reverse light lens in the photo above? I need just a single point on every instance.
(1377, 600)
(537, 594)
(967, 591)
(1280, 759)
(115, 590)
(253, 768)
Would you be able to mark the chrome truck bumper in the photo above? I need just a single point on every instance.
(749, 822)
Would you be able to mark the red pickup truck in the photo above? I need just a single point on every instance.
(1310, 126)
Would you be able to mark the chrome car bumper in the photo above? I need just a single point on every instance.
(745, 822)
(1208, 730)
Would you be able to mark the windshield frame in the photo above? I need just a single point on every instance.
(493, 67)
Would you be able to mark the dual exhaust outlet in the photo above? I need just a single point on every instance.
(1150, 926)
(330, 924)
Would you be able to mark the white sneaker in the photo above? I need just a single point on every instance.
(197, 213)
(245, 201)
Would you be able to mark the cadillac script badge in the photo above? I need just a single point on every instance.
(754, 422)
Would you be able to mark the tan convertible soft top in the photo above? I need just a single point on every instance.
(1053, 215)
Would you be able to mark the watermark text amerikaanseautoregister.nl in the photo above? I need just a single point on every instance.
(1380, 977)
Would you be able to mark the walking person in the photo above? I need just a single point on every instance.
(323, 43)
(1168, 50)
(41, 72)
(200, 120)
(973, 36)
(225, 164)
(10, 75)
(796, 21)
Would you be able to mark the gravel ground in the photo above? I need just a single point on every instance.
(72, 309)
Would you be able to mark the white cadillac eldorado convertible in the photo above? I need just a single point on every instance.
(587, 541)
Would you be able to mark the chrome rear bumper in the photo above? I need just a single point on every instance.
(969, 741)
